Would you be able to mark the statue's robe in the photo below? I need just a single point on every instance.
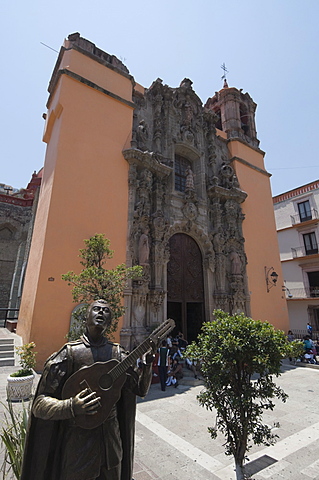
(56, 448)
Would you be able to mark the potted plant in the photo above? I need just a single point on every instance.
(19, 386)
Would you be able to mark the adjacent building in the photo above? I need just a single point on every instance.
(17, 212)
(178, 187)
(297, 223)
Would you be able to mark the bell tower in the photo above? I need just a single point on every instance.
(235, 124)
(236, 114)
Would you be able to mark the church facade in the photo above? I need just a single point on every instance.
(178, 187)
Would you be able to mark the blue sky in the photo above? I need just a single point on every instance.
(269, 47)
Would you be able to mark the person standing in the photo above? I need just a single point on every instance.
(309, 330)
(163, 360)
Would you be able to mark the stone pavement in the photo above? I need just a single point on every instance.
(172, 442)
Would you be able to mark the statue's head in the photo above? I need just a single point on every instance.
(99, 316)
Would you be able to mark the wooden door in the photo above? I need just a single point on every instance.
(185, 286)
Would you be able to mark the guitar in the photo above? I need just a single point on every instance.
(107, 378)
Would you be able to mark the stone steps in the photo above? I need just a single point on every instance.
(189, 379)
(6, 352)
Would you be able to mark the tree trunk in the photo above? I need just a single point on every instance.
(240, 473)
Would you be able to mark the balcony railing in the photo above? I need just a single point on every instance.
(8, 315)
(295, 219)
(302, 292)
(302, 252)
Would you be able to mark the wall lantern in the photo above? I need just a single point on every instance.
(271, 278)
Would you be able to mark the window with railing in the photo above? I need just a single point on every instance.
(310, 243)
(181, 165)
(304, 211)
(302, 292)
(313, 279)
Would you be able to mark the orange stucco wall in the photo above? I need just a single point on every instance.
(84, 191)
(261, 243)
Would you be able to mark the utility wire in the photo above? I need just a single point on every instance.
(49, 47)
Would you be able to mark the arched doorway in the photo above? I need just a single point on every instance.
(185, 285)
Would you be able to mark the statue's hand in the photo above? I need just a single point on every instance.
(85, 403)
(150, 355)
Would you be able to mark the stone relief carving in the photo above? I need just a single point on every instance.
(226, 173)
(144, 248)
(166, 119)
(221, 302)
(157, 298)
(236, 264)
(232, 210)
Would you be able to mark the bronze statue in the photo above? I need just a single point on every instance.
(62, 443)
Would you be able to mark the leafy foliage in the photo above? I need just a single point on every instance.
(27, 360)
(13, 436)
(95, 281)
(239, 357)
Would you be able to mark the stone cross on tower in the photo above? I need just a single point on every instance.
(223, 67)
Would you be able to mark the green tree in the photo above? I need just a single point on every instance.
(239, 357)
(95, 281)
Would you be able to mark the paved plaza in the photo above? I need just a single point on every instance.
(172, 442)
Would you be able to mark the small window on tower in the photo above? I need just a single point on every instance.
(244, 119)
(181, 165)
(218, 123)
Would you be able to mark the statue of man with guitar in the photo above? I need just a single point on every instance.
(83, 414)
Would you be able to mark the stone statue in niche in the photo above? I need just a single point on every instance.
(219, 241)
(142, 135)
(232, 210)
(144, 248)
(227, 173)
(236, 265)
(146, 179)
(188, 112)
(189, 183)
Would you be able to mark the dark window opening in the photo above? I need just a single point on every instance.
(304, 211)
(313, 278)
(218, 123)
(310, 243)
(181, 165)
(313, 312)
(244, 119)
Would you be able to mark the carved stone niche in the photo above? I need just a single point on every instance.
(139, 298)
(222, 302)
(157, 298)
(238, 301)
(188, 112)
(138, 309)
(190, 210)
(160, 224)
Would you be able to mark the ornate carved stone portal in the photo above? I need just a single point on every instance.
(184, 216)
